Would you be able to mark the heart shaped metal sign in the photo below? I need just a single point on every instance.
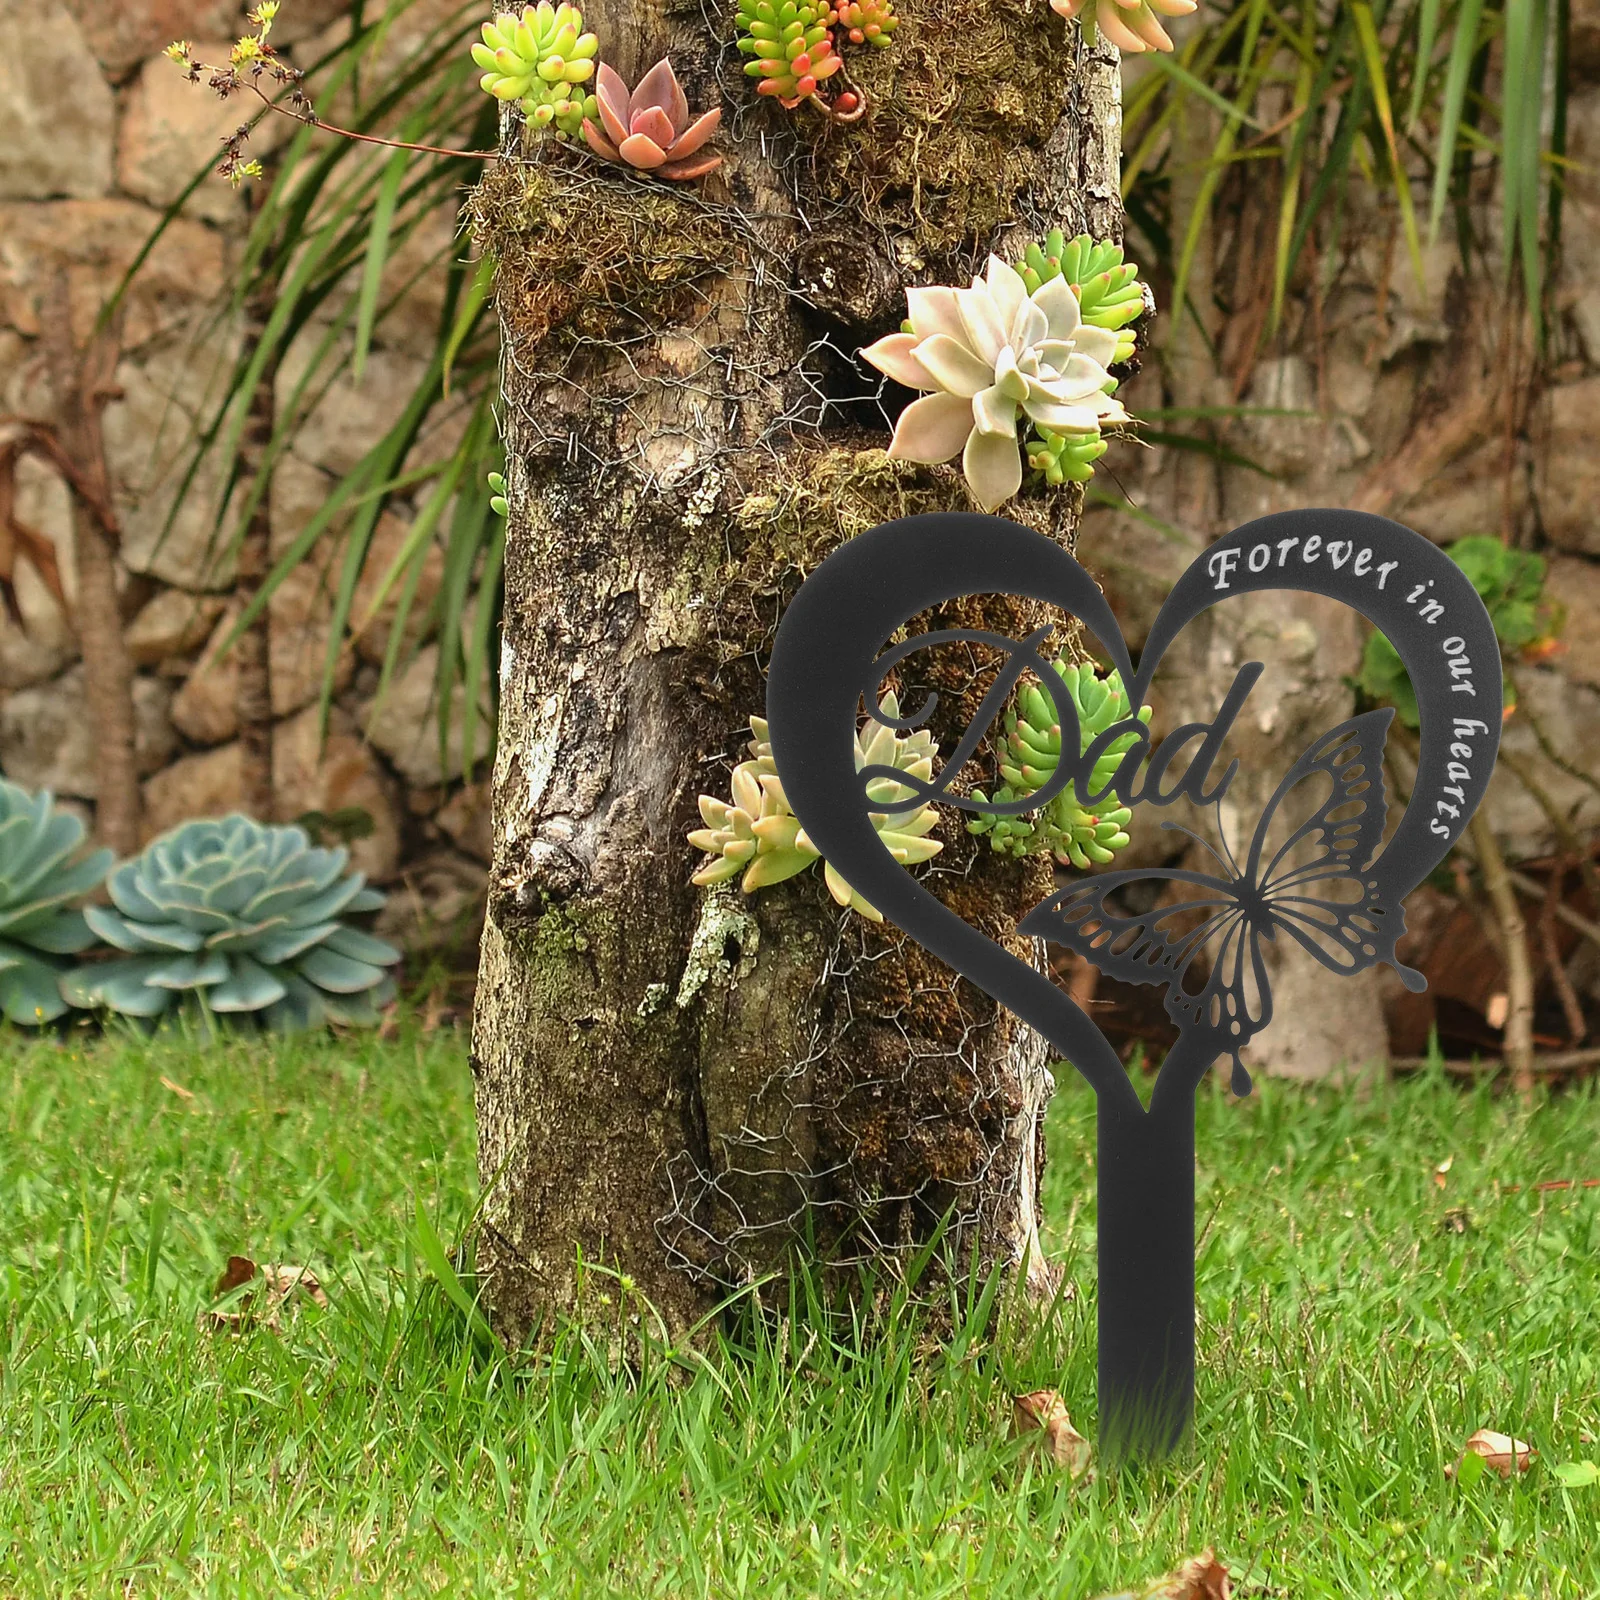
(1331, 884)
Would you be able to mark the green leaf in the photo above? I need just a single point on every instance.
(30, 993)
(250, 987)
(288, 942)
(141, 937)
(360, 946)
(119, 985)
(431, 1248)
(377, 256)
(190, 972)
(338, 974)
(1577, 1474)
(1462, 50)
(1377, 77)
(467, 319)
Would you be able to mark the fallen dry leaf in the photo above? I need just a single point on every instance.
(1201, 1577)
(1499, 1451)
(1442, 1171)
(1497, 1010)
(1043, 1412)
(278, 1281)
(178, 1089)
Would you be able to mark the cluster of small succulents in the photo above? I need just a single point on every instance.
(756, 837)
(793, 48)
(869, 22)
(542, 60)
(1109, 292)
(40, 885)
(1064, 457)
(790, 46)
(242, 919)
(1029, 756)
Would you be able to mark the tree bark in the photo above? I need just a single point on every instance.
(83, 381)
(685, 1084)
(253, 695)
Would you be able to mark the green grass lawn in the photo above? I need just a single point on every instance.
(1350, 1341)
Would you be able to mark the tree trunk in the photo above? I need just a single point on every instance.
(684, 1084)
(253, 695)
(84, 382)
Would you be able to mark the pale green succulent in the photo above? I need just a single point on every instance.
(1110, 297)
(1109, 292)
(1029, 757)
(244, 919)
(542, 60)
(1064, 457)
(758, 836)
(40, 882)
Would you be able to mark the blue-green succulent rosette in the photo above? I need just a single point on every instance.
(40, 926)
(245, 920)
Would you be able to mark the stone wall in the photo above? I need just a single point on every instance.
(101, 134)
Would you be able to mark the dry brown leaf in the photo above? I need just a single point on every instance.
(1442, 1171)
(1201, 1577)
(1499, 1452)
(1043, 1412)
(188, 1094)
(278, 1281)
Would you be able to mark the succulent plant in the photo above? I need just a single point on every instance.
(246, 919)
(868, 22)
(650, 128)
(1511, 584)
(789, 44)
(39, 881)
(497, 494)
(1029, 757)
(759, 836)
(1109, 292)
(1064, 457)
(1128, 24)
(541, 59)
(992, 353)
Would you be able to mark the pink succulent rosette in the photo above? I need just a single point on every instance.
(1130, 25)
(650, 128)
(992, 354)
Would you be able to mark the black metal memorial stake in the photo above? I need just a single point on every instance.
(1333, 886)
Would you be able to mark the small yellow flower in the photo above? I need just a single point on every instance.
(179, 51)
(246, 50)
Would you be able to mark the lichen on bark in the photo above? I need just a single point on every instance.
(685, 1090)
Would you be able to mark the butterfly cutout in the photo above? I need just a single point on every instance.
(1312, 888)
